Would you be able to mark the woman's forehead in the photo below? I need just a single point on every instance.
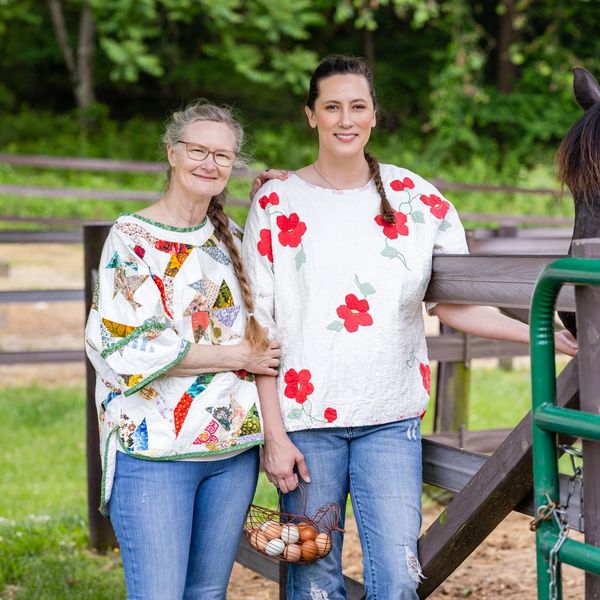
(210, 133)
(344, 87)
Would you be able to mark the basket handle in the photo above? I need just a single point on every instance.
(303, 495)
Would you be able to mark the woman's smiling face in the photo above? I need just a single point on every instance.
(343, 115)
(204, 178)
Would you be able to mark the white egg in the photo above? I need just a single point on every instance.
(275, 547)
(290, 534)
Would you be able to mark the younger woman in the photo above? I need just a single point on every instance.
(339, 255)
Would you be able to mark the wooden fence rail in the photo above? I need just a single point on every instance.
(500, 280)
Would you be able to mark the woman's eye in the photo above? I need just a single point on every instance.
(331, 107)
(359, 106)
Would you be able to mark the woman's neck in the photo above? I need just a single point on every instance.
(181, 211)
(342, 172)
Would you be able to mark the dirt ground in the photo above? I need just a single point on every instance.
(502, 567)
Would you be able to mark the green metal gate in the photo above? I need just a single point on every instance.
(548, 420)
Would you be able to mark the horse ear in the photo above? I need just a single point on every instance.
(587, 90)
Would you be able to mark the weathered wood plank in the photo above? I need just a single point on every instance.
(499, 486)
(506, 281)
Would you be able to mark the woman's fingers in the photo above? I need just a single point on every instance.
(264, 176)
(302, 468)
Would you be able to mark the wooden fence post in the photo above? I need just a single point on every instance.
(452, 391)
(101, 532)
(587, 299)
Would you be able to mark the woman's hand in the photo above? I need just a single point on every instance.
(280, 458)
(260, 362)
(264, 176)
(565, 342)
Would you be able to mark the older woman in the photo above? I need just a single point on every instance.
(175, 345)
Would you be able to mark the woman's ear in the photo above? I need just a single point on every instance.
(171, 155)
(310, 115)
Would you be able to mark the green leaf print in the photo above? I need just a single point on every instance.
(445, 225)
(366, 289)
(417, 216)
(300, 259)
(389, 252)
(295, 413)
(335, 325)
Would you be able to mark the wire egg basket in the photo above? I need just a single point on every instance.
(298, 539)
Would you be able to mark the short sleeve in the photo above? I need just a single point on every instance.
(449, 239)
(129, 336)
(257, 255)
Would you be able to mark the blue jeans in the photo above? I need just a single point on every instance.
(179, 523)
(380, 466)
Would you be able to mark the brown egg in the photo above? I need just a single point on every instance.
(323, 542)
(307, 532)
(309, 550)
(292, 553)
(271, 529)
(258, 539)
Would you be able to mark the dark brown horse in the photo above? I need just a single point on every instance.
(578, 163)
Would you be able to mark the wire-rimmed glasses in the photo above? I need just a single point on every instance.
(198, 152)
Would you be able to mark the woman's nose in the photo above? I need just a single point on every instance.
(345, 118)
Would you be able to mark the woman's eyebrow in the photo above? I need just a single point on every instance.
(340, 101)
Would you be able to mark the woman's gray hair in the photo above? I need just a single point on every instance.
(203, 110)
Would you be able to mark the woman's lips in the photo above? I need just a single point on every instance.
(345, 137)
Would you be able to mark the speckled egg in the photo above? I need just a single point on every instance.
(258, 539)
(323, 542)
(271, 529)
(275, 547)
(292, 553)
(290, 534)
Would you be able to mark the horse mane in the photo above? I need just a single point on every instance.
(578, 157)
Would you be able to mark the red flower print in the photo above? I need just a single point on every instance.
(139, 251)
(426, 376)
(393, 230)
(399, 186)
(298, 385)
(171, 247)
(354, 313)
(292, 230)
(272, 198)
(265, 246)
(163, 296)
(438, 206)
(330, 414)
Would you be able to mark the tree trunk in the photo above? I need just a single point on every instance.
(80, 66)
(369, 45)
(507, 70)
(85, 59)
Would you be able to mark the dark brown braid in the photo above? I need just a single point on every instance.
(254, 333)
(387, 212)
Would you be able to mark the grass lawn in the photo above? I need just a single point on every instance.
(43, 529)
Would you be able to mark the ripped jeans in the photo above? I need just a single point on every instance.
(380, 466)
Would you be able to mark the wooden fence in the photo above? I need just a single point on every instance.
(487, 488)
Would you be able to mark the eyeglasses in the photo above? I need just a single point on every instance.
(197, 152)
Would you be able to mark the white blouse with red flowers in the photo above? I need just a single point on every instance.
(342, 291)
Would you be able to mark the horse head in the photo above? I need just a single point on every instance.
(578, 163)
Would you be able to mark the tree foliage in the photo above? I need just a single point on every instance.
(456, 77)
